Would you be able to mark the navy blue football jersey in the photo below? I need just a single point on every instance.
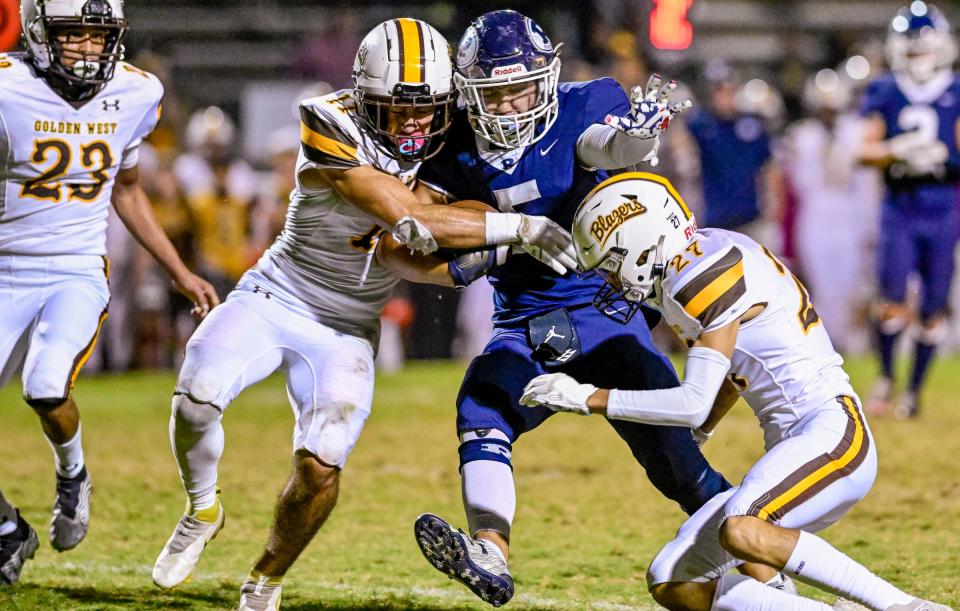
(543, 179)
(904, 109)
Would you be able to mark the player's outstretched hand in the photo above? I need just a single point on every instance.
(548, 243)
(199, 291)
(650, 110)
(559, 392)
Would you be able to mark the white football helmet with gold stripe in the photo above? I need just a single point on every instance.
(628, 228)
(402, 77)
(43, 20)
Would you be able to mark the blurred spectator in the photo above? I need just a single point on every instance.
(837, 203)
(220, 189)
(270, 210)
(164, 322)
(734, 152)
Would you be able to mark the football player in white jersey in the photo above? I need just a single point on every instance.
(311, 306)
(72, 117)
(753, 331)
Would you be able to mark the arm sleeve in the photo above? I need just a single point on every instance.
(607, 148)
(686, 405)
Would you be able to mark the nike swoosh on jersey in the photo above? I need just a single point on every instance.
(543, 152)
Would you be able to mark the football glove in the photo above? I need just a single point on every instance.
(917, 154)
(650, 111)
(548, 243)
(559, 392)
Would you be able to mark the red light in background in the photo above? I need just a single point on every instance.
(669, 28)
(9, 24)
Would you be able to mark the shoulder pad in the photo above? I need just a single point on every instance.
(327, 132)
(712, 287)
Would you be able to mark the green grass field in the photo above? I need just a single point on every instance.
(588, 522)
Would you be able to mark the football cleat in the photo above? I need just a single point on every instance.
(907, 407)
(920, 605)
(475, 563)
(261, 594)
(180, 555)
(71, 511)
(878, 403)
(15, 549)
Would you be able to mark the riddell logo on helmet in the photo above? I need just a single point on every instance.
(603, 226)
(511, 69)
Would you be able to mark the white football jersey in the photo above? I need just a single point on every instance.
(323, 262)
(59, 162)
(784, 364)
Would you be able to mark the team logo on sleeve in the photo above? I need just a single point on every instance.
(605, 224)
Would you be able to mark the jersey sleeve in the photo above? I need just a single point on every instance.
(326, 140)
(715, 292)
(604, 97)
(131, 153)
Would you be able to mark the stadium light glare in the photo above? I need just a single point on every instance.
(857, 67)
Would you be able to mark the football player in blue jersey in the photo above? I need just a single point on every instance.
(527, 143)
(911, 119)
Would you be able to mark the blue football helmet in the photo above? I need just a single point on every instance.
(506, 49)
(919, 42)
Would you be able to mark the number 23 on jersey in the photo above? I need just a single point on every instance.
(53, 157)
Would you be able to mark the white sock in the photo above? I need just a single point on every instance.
(489, 496)
(819, 564)
(742, 593)
(68, 456)
(198, 448)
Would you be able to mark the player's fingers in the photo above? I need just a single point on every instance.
(636, 94)
(212, 296)
(653, 86)
(681, 106)
(665, 92)
(621, 123)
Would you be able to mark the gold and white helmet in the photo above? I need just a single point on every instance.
(627, 229)
(405, 63)
(40, 21)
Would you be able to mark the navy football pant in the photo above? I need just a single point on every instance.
(612, 356)
(917, 242)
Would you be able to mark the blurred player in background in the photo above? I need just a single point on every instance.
(311, 306)
(733, 146)
(753, 332)
(73, 116)
(911, 134)
(837, 199)
(530, 144)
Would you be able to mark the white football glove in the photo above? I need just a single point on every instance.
(548, 243)
(650, 111)
(559, 392)
(700, 436)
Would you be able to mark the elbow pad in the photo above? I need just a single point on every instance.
(469, 265)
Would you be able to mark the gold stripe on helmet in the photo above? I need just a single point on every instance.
(411, 50)
(660, 180)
